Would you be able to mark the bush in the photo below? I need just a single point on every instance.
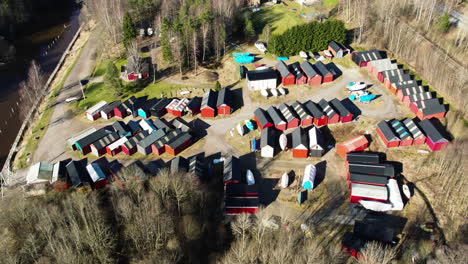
(443, 23)
(313, 36)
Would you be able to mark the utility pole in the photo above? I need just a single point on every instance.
(83, 83)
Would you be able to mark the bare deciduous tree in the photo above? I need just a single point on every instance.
(376, 253)
(32, 89)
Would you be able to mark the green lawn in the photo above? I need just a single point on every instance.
(330, 3)
(279, 17)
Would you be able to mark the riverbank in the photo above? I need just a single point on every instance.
(40, 122)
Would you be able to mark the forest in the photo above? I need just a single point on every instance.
(161, 220)
(27, 16)
(313, 36)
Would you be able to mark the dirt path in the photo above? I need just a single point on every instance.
(62, 125)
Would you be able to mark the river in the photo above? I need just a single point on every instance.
(46, 47)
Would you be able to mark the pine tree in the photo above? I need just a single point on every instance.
(111, 78)
(165, 45)
(129, 32)
(249, 31)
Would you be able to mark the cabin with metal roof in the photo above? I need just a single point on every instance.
(194, 105)
(363, 157)
(343, 112)
(435, 140)
(232, 170)
(332, 115)
(418, 136)
(316, 142)
(403, 134)
(320, 119)
(96, 174)
(40, 173)
(337, 49)
(361, 58)
(327, 76)
(196, 166)
(389, 138)
(241, 205)
(122, 129)
(291, 117)
(305, 117)
(208, 105)
(268, 142)
(376, 68)
(84, 144)
(107, 111)
(262, 118)
(358, 143)
(71, 142)
(367, 192)
(177, 107)
(301, 78)
(241, 190)
(261, 79)
(159, 147)
(98, 148)
(78, 175)
(277, 118)
(130, 146)
(300, 144)
(287, 78)
(368, 179)
(179, 143)
(431, 108)
(381, 169)
(181, 124)
(313, 78)
(179, 165)
(94, 112)
(224, 102)
(130, 106)
(144, 145)
(159, 108)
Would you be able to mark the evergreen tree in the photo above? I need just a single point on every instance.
(443, 23)
(165, 45)
(112, 79)
(217, 87)
(249, 31)
(129, 32)
(266, 33)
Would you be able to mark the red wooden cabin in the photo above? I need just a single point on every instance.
(299, 144)
(403, 93)
(208, 105)
(262, 118)
(387, 135)
(224, 102)
(287, 78)
(345, 114)
(431, 108)
(313, 78)
(306, 118)
(291, 117)
(327, 76)
(320, 119)
(332, 116)
(418, 137)
(277, 118)
(435, 140)
(406, 139)
(178, 144)
(367, 192)
(301, 78)
(358, 143)
(361, 58)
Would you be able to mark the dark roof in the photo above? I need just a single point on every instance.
(387, 131)
(339, 107)
(399, 78)
(379, 227)
(232, 170)
(134, 126)
(314, 109)
(413, 90)
(168, 137)
(368, 179)
(299, 138)
(160, 105)
(363, 157)
(321, 68)
(368, 55)
(431, 131)
(296, 70)
(196, 165)
(151, 138)
(179, 164)
(161, 124)
(62, 171)
(393, 72)
(283, 69)
(308, 69)
(405, 84)
(241, 202)
(431, 106)
(327, 109)
(209, 100)
(78, 174)
(106, 141)
(110, 107)
(287, 112)
(335, 46)
(194, 103)
(121, 128)
(400, 129)
(181, 124)
(261, 75)
(262, 117)
(131, 103)
(373, 169)
(179, 140)
(88, 140)
(224, 97)
(132, 142)
(413, 128)
(275, 115)
(421, 96)
(301, 110)
(267, 137)
(239, 189)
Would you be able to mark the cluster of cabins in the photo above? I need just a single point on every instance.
(241, 193)
(211, 104)
(67, 174)
(407, 132)
(423, 103)
(372, 182)
(295, 73)
(298, 114)
(145, 136)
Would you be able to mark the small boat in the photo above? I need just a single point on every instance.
(283, 142)
(249, 125)
(406, 191)
(367, 98)
(284, 181)
(356, 86)
(250, 177)
(274, 92)
(283, 58)
(303, 55)
(264, 93)
(240, 130)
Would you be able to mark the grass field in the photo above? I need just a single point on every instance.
(279, 17)
(330, 3)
